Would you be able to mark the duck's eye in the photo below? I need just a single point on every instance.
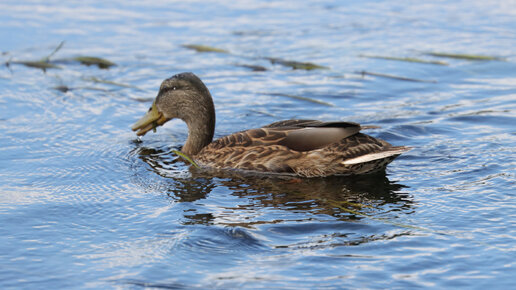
(150, 109)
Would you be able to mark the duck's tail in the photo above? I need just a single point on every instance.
(389, 153)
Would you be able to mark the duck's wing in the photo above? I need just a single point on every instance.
(361, 148)
(299, 123)
(303, 147)
(297, 135)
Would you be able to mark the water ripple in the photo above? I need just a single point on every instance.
(85, 203)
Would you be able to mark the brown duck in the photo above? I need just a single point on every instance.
(306, 148)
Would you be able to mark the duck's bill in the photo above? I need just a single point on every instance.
(152, 119)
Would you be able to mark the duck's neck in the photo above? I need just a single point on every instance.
(201, 127)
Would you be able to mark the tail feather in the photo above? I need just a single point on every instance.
(392, 151)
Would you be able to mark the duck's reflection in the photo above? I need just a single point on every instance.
(179, 184)
(349, 197)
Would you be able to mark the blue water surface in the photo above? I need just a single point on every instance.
(84, 203)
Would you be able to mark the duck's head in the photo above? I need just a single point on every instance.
(183, 96)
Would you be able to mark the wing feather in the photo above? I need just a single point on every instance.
(303, 147)
(298, 135)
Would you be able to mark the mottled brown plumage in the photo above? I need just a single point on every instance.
(307, 148)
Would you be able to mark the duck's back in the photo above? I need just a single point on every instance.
(306, 148)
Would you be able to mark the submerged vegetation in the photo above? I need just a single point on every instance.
(465, 56)
(315, 101)
(46, 62)
(88, 60)
(204, 48)
(41, 64)
(406, 59)
(395, 77)
(185, 157)
(97, 80)
(296, 64)
(273, 60)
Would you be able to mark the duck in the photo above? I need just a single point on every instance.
(300, 147)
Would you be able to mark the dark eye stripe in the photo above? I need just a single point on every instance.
(164, 90)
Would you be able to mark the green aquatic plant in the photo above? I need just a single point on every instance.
(92, 60)
(101, 81)
(87, 60)
(406, 59)
(252, 67)
(301, 98)
(46, 63)
(262, 113)
(465, 56)
(204, 48)
(64, 88)
(41, 64)
(184, 156)
(47, 58)
(389, 76)
(296, 64)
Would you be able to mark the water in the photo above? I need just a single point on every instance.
(85, 204)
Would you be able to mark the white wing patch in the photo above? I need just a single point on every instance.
(375, 156)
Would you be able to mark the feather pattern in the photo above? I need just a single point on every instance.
(275, 148)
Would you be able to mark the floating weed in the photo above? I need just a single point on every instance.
(45, 62)
(47, 58)
(143, 100)
(101, 81)
(184, 156)
(252, 67)
(406, 59)
(262, 112)
(296, 64)
(88, 60)
(465, 56)
(204, 48)
(64, 89)
(363, 73)
(41, 64)
(92, 60)
(302, 98)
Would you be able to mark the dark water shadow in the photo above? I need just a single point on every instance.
(176, 181)
(342, 197)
